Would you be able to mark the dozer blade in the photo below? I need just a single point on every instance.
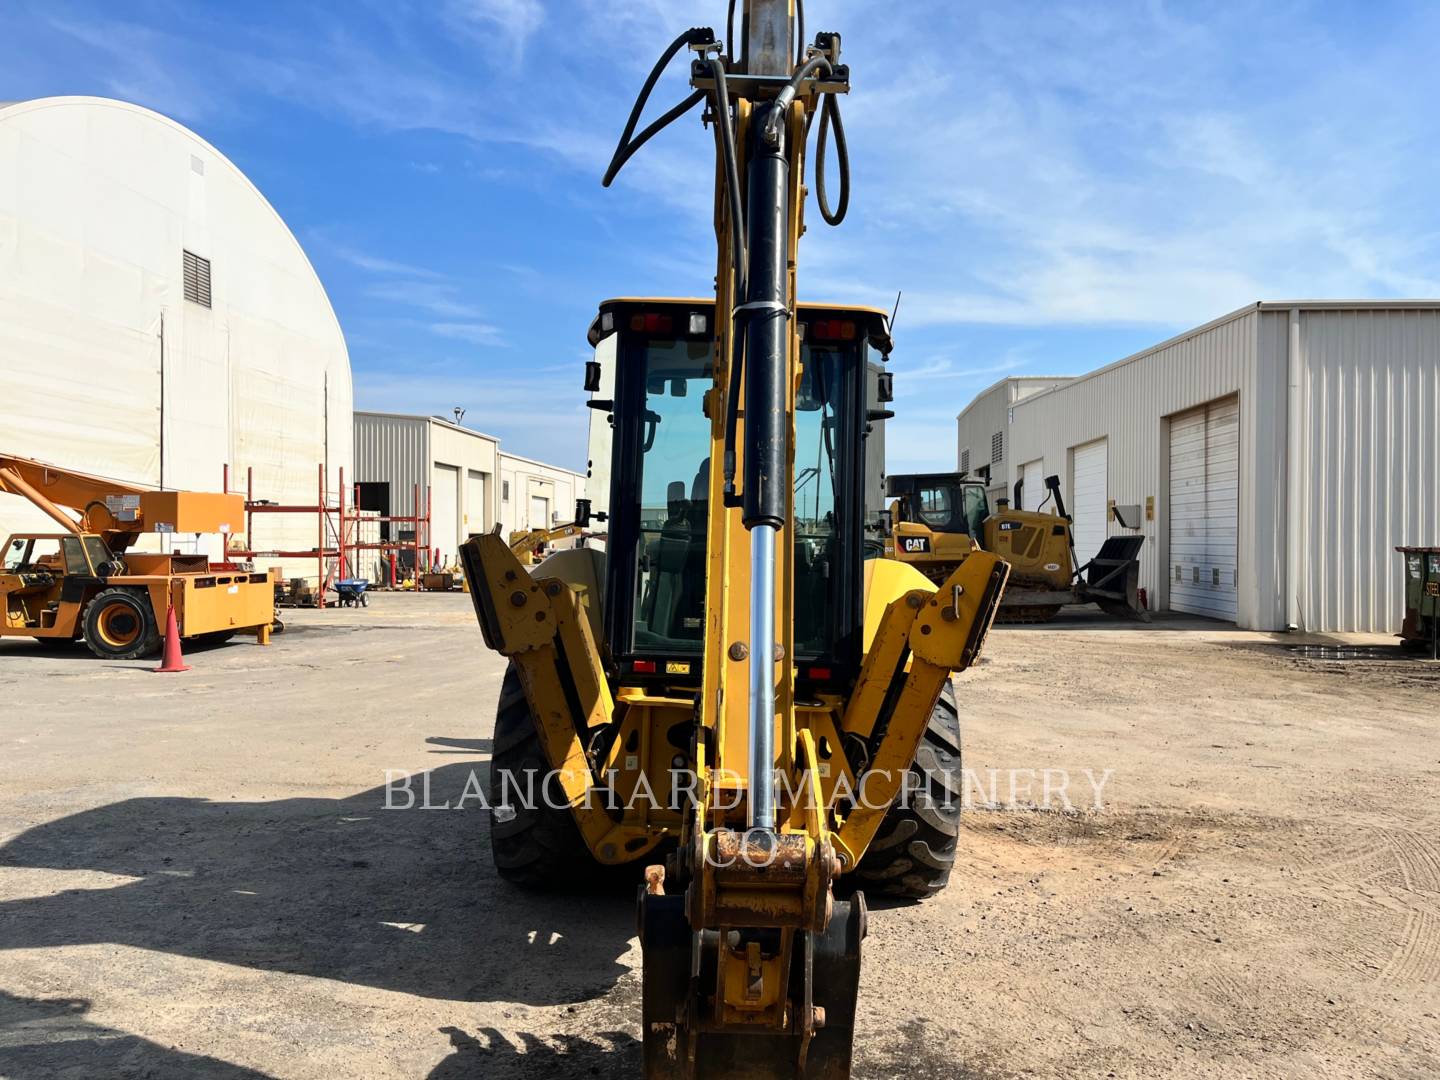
(1113, 579)
(679, 980)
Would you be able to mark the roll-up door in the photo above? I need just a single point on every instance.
(444, 514)
(1032, 485)
(476, 505)
(1204, 510)
(1091, 471)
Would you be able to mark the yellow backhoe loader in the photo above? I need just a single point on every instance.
(730, 695)
(938, 520)
(85, 581)
(527, 544)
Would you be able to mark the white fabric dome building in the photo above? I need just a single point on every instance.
(157, 317)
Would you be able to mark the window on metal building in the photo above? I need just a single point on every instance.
(504, 490)
(965, 461)
(197, 279)
(997, 447)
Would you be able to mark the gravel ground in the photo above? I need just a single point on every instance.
(198, 877)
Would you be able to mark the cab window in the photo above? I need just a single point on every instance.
(15, 555)
(74, 553)
(936, 508)
(99, 553)
(674, 474)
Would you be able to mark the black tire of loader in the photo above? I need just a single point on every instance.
(540, 847)
(914, 849)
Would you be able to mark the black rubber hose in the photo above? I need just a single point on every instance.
(624, 149)
(730, 31)
(739, 260)
(787, 95)
(732, 165)
(800, 34)
(830, 115)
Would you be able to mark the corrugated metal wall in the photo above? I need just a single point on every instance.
(975, 431)
(1128, 403)
(393, 449)
(1371, 476)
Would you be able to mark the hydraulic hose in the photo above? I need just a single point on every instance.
(786, 96)
(739, 261)
(626, 148)
(830, 115)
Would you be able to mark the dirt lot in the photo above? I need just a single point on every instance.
(198, 879)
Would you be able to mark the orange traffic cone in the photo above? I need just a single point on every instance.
(171, 660)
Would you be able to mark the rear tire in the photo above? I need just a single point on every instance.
(914, 849)
(536, 846)
(120, 625)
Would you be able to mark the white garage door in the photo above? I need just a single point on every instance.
(444, 514)
(1032, 485)
(476, 506)
(1204, 510)
(1091, 470)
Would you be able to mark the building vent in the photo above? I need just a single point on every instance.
(197, 279)
(965, 461)
(504, 490)
(997, 447)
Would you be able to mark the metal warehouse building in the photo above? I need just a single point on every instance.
(157, 318)
(985, 426)
(400, 457)
(471, 483)
(1272, 459)
(536, 496)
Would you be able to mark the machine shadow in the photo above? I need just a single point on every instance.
(50, 1037)
(345, 889)
(489, 1054)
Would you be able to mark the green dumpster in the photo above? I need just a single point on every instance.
(1422, 598)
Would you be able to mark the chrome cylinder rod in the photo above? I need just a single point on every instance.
(761, 808)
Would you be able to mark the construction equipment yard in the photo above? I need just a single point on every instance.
(199, 877)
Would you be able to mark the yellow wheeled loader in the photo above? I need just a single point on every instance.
(730, 695)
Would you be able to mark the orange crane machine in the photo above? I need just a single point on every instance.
(85, 581)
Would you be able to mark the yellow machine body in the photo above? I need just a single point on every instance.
(731, 681)
(528, 544)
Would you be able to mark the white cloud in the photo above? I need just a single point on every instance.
(436, 297)
(474, 333)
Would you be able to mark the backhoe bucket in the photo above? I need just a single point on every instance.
(677, 984)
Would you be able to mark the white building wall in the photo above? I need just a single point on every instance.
(98, 201)
(1370, 468)
(988, 415)
(526, 480)
(1129, 402)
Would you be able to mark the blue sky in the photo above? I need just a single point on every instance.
(1052, 186)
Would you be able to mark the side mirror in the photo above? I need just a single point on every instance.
(592, 375)
(885, 386)
(582, 512)
(872, 415)
(603, 404)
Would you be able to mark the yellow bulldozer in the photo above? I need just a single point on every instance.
(938, 520)
(730, 696)
(85, 581)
